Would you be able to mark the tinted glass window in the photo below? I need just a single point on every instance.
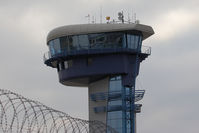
(96, 40)
(114, 118)
(114, 40)
(54, 46)
(83, 41)
(65, 64)
(117, 102)
(89, 61)
(75, 42)
(133, 41)
(60, 66)
(70, 63)
(140, 42)
(115, 85)
(70, 44)
(64, 43)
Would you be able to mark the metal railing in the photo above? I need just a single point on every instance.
(48, 55)
(115, 95)
(111, 108)
(146, 50)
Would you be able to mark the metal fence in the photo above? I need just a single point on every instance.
(21, 115)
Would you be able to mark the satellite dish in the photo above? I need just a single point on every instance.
(121, 16)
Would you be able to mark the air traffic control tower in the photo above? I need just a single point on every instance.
(106, 59)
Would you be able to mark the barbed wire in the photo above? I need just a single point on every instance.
(21, 115)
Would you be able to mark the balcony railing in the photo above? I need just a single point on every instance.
(48, 55)
(146, 50)
(113, 108)
(116, 95)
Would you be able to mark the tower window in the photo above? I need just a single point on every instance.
(65, 64)
(60, 66)
(89, 61)
(68, 64)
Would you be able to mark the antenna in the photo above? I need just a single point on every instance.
(93, 19)
(88, 17)
(121, 16)
(100, 14)
(132, 16)
(135, 17)
(129, 20)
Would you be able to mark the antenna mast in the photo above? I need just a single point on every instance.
(93, 19)
(121, 16)
(135, 17)
(100, 14)
(88, 17)
(129, 20)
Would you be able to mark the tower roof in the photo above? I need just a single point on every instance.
(98, 28)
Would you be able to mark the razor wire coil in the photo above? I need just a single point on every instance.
(21, 115)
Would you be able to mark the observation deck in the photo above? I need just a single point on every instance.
(89, 39)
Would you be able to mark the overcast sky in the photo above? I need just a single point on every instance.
(170, 75)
